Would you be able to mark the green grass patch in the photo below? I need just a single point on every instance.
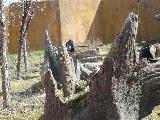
(29, 107)
(155, 115)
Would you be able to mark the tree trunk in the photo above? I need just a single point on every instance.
(25, 55)
(19, 59)
(27, 13)
(3, 58)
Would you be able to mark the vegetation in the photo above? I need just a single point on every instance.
(24, 107)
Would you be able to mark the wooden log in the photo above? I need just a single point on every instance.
(76, 65)
(91, 59)
(88, 53)
(52, 53)
(51, 61)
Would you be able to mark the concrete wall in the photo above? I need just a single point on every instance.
(45, 17)
(149, 28)
(76, 18)
(83, 21)
(111, 15)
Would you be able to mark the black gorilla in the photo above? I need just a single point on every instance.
(145, 52)
(70, 46)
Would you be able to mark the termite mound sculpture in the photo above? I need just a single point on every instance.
(124, 88)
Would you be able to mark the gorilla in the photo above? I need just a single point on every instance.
(70, 46)
(157, 17)
(148, 52)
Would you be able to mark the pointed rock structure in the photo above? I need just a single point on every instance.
(64, 69)
(110, 93)
(51, 60)
(54, 108)
(120, 89)
(124, 88)
(67, 71)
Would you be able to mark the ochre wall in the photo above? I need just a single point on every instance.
(76, 18)
(85, 20)
(149, 28)
(44, 18)
(111, 15)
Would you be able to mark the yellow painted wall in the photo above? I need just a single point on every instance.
(87, 20)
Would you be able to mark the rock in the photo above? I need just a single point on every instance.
(85, 73)
(55, 109)
(76, 65)
(92, 66)
(111, 97)
(157, 46)
(51, 60)
(121, 89)
(67, 71)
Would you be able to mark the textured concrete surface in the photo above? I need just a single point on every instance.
(83, 21)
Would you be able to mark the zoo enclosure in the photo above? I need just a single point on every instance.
(81, 21)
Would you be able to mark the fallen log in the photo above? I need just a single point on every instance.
(76, 64)
(88, 53)
(91, 59)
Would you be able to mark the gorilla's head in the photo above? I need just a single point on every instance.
(70, 46)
